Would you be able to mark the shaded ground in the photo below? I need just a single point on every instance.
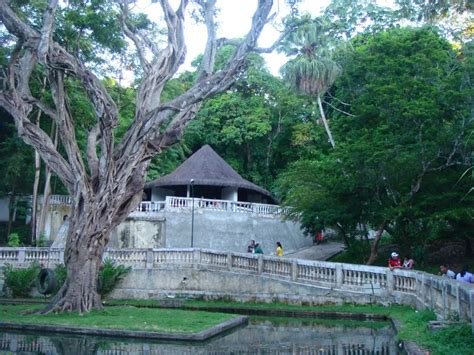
(317, 252)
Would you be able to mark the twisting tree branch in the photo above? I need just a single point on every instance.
(208, 59)
(65, 124)
(37, 138)
(46, 31)
(130, 32)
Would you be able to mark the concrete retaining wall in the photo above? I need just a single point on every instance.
(218, 230)
(214, 284)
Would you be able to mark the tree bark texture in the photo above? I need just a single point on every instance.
(106, 183)
(34, 202)
(375, 244)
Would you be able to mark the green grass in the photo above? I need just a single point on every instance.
(124, 318)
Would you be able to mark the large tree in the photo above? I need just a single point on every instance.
(312, 71)
(106, 181)
(402, 150)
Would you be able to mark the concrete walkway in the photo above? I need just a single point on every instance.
(317, 252)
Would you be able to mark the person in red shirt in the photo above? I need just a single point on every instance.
(319, 237)
(394, 262)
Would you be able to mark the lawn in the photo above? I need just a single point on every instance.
(124, 318)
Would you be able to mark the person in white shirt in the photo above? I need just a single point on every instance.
(465, 276)
(444, 271)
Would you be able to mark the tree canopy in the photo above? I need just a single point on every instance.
(406, 137)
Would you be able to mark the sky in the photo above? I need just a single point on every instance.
(234, 21)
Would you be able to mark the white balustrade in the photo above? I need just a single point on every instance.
(150, 206)
(443, 295)
(279, 266)
(359, 277)
(172, 256)
(9, 255)
(405, 283)
(173, 202)
(308, 271)
(245, 262)
(178, 202)
(213, 258)
(60, 200)
(126, 257)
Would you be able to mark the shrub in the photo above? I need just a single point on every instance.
(60, 272)
(110, 275)
(20, 281)
(42, 240)
(13, 240)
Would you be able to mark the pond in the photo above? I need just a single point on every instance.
(261, 336)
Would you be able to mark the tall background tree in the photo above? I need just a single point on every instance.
(312, 71)
(403, 148)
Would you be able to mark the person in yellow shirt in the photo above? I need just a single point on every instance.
(279, 251)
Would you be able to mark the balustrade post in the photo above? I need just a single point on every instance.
(471, 306)
(294, 270)
(149, 259)
(418, 285)
(444, 295)
(21, 256)
(196, 257)
(105, 255)
(423, 290)
(458, 299)
(229, 260)
(260, 263)
(432, 300)
(339, 275)
(61, 256)
(390, 282)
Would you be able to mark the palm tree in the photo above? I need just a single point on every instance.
(312, 71)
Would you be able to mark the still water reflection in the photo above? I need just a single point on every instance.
(261, 336)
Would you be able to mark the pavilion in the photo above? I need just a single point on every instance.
(206, 175)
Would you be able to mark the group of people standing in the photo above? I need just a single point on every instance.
(256, 248)
(464, 275)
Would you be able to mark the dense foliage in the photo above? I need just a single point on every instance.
(109, 275)
(20, 281)
(404, 144)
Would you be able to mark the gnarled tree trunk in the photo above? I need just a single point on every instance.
(107, 180)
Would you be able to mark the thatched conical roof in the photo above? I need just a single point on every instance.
(206, 167)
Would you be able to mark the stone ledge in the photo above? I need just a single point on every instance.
(199, 336)
(410, 347)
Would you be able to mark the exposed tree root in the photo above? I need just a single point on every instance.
(66, 301)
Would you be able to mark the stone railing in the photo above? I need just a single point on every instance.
(58, 200)
(445, 296)
(174, 203)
